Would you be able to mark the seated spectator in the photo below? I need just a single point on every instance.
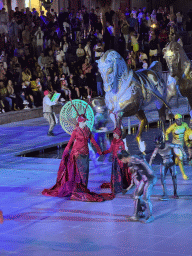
(154, 48)
(26, 36)
(2, 71)
(125, 31)
(56, 84)
(65, 50)
(145, 64)
(163, 38)
(99, 50)
(142, 56)
(11, 96)
(75, 93)
(3, 93)
(66, 27)
(131, 60)
(41, 60)
(26, 87)
(37, 92)
(87, 49)
(82, 85)
(49, 59)
(39, 73)
(65, 91)
(26, 76)
(39, 34)
(52, 71)
(86, 67)
(65, 69)
(98, 35)
(134, 41)
(48, 83)
(20, 96)
(80, 53)
(59, 55)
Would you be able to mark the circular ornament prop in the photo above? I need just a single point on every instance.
(68, 115)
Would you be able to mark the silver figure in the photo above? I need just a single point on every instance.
(144, 179)
(166, 151)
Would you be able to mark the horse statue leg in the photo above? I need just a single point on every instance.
(162, 117)
(143, 121)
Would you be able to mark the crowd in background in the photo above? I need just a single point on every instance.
(57, 52)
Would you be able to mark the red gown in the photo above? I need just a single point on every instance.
(120, 177)
(72, 176)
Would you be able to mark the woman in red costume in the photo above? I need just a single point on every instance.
(120, 177)
(72, 177)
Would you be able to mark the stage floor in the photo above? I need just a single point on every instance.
(36, 225)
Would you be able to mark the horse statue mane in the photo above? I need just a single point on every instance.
(116, 79)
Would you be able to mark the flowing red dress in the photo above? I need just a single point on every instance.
(120, 176)
(73, 173)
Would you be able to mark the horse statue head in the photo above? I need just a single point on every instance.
(113, 69)
(176, 58)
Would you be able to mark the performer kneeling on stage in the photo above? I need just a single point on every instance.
(144, 180)
(166, 151)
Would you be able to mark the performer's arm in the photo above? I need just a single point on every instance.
(108, 150)
(73, 135)
(153, 156)
(169, 130)
(186, 139)
(95, 144)
(49, 102)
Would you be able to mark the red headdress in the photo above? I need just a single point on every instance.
(117, 131)
(82, 117)
(46, 92)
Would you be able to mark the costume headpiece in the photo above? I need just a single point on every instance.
(159, 139)
(82, 117)
(46, 92)
(117, 131)
(178, 116)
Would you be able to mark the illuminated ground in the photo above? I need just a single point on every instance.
(36, 225)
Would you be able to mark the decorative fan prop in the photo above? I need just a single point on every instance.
(68, 115)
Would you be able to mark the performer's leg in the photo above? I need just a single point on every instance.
(190, 155)
(163, 172)
(137, 200)
(180, 163)
(174, 179)
(52, 124)
(146, 198)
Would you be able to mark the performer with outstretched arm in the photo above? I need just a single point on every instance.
(144, 179)
(73, 173)
(120, 177)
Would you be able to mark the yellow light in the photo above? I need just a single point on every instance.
(169, 53)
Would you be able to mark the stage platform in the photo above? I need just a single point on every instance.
(35, 225)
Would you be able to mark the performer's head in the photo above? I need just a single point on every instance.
(178, 119)
(82, 121)
(47, 92)
(117, 133)
(124, 156)
(159, 142)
